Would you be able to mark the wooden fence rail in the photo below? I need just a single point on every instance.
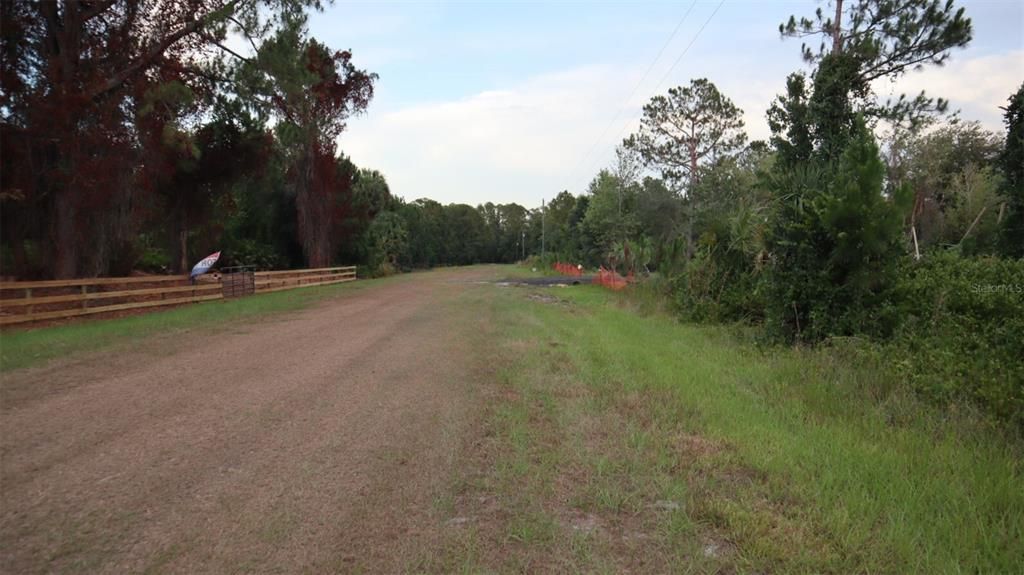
(288, 279)
(24, 302)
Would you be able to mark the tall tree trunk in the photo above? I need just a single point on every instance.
(689, 229)
(182, 244)
(65, 241)
(692, 204)
(20, 259)
(837, 30)
(313, 218)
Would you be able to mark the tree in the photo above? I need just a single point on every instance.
(1012, 160)
(388, 237)
(873, 39)
(425, 222)
(722, 280)
(866, 40)
(370, 192)
(206, 165)
(825, 179)
(691, 126)
(74, 72)
(580, 242)
(834, 246)
(370, 196)
(492, 230)
(951, 171)
(464, 234)
(556, 224)
(660, 211)
(611, 215)
(971, 222)
(789, 121)
(313, 92)
(514, 221)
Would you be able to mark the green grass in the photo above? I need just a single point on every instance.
(727, 456)
(29, 347)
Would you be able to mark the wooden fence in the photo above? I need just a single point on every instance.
(23, 302)
(288, 279)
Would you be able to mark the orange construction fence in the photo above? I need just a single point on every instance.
(607, 278)
(568, 269)
(611, 279)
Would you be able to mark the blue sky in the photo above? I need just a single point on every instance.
(514, 101)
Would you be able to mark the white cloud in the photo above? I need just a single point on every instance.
(523, 142)
(517, 144)
(754, 97)
(976, 86)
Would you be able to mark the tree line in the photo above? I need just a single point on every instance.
(139, 138)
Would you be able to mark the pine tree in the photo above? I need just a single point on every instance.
(1012, 160)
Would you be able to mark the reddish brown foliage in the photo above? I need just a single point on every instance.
(71, 74)
(323, 194)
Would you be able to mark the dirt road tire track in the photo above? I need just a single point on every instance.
(312, 443)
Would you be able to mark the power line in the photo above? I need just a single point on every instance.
(687, 49)
(679, 59)
(636, 87)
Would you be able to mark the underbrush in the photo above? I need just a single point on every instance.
(956, 332)
(962, 334)
(543, 265)
(380, 270)
(712, 289)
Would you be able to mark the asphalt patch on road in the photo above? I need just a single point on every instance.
(548, 281)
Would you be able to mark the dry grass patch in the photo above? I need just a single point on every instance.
(570, 475)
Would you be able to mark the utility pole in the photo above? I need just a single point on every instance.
(543, 213)
(622, 230)
(522, 242)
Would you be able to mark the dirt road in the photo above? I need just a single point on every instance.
(309, 443)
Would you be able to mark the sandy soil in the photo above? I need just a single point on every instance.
(310, 443)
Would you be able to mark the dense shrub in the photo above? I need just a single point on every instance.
(835, 240)
(247, 252)
(709, 289)
(381, 270)
(154, 260)
(962, 331)
(724, 279)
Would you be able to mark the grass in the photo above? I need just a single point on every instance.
(29, 347)
(623, 441)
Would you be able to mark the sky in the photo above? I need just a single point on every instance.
(516, 101)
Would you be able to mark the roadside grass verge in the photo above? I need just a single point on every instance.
(22, 348)
(621, 442)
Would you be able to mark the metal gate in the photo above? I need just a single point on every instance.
(238, 281)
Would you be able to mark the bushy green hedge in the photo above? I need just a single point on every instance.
(253, 253)
(958, 324)
(962, 331)
(712, 289)
(154, 260)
